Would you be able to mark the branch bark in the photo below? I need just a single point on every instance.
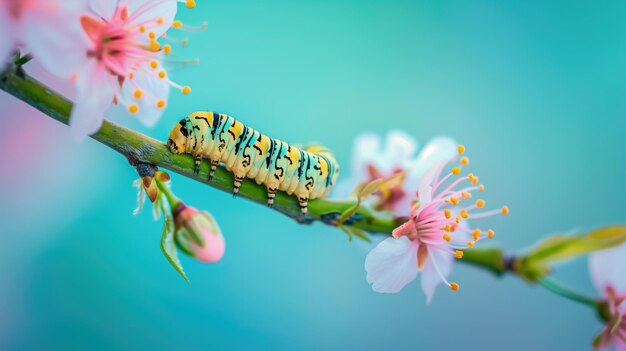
(139, 148)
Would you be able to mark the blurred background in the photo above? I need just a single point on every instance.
(535, 90)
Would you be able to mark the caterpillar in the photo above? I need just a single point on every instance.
(308, 173)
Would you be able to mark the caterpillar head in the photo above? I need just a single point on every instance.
(177, 142)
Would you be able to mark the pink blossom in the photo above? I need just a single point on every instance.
(375, 158)
(607, 273)
(435, 233)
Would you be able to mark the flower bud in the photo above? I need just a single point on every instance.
(197, 234)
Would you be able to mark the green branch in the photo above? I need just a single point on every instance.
(139, 148)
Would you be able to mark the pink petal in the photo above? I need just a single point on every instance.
(430, 278)
(607, 268)
(153, 89)
(391, 265)
(437, 151)
(148, 11)
(95, 90)
(103, 8)
(55, 39)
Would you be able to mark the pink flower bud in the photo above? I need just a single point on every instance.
(198, 235)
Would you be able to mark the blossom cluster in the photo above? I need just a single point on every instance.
(114, 52)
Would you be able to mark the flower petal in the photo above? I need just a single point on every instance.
(398, 152)
(51, 32)
(391, 265)
(153, 89)
(95, 92)
(148, 11)
(607, 269)
(430, 277)
(103, 8)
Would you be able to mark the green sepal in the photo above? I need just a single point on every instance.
(168, 246)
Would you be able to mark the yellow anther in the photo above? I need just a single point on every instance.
(505, 210)
(464, 160)
(476, 234)
(190, 4)
(447, 213)
(454, 201)
(447, 237)
(133, 108)
(454, 286)
(177, 24)
(142, 28)
(154, 64)
(160, 103)
(470, 244)
(154, 45)
(456, 170)
(167, 48)
(466, 195)
(186, 90)
(481, 187)
(458, 254)
(162, 74)
(457, 219)
(464, 214)
(480, 203)
(490, 233)
(460, 149)
(151, 35)
(137, 94)
(474, 180)
(160, 20)
(184, 42)
(447, 228)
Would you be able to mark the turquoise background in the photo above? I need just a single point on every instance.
(535, 90)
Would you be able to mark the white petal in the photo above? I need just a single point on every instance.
(55, 39)
(430, 278)
(365, 150)
(607, 268)
(153, 89)
(148, 11)
(103, 8)
(391, 265)
(95, 92)
(399, 151)
(438, 150)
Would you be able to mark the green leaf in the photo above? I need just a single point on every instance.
(536, 263)
(168, 246)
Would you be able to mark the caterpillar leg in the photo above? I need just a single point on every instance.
(237, 185)
(304, 203)
(196, 168)
(271, 193)
(213, 168)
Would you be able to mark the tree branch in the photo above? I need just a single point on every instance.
(139, 148)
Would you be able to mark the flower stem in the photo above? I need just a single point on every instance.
(558, 289)
(171, 198)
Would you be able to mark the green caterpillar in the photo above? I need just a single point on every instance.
(309, 174)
